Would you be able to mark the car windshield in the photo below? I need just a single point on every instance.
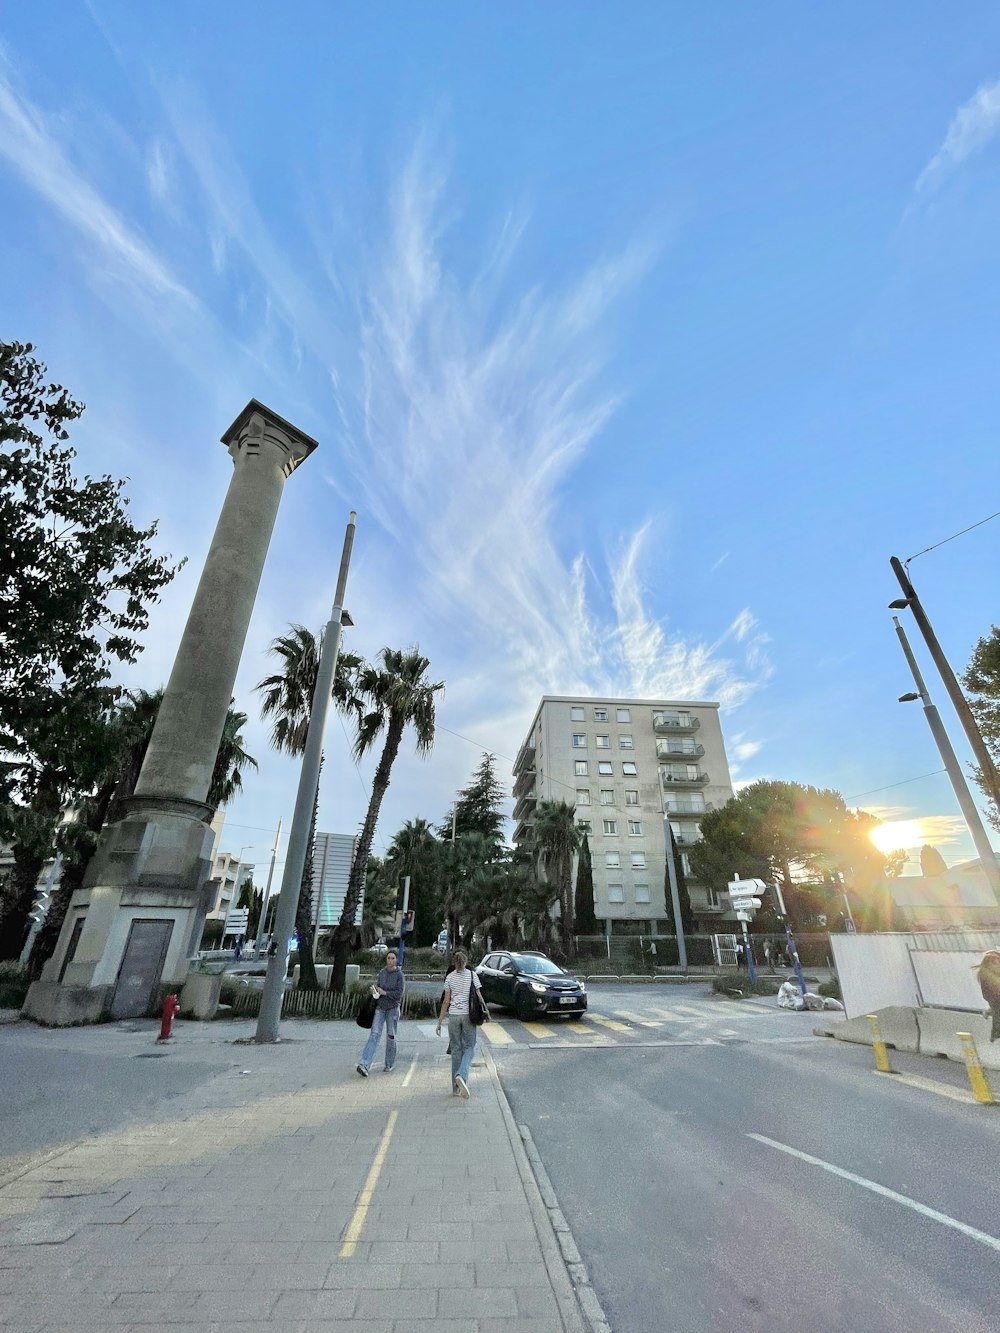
(540, 966)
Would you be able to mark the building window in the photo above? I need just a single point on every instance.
(635, 828)
(579, 740)
(625, 742)
(631, 796)
(584, 825)
(686, 864)
(611, 826)
(629, 770)
(642, 893)
(605, 767)
(607, 796)
(623, 715)
(613, 860)
(583, 795)
(580, 767)
(600, 715)
(576, 714)
(638, 860)
(616, 893)
(603, 742)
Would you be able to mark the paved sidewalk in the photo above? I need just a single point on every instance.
(287, 1193)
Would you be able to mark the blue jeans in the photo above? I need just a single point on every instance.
(384, 1018)
(462, 1036)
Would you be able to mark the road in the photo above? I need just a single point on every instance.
(687, 1222)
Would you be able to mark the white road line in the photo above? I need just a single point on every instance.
(875, 1188)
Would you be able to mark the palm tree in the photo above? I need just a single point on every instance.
(557, 838)
(415, 851)
(396, 694)
(287, 702)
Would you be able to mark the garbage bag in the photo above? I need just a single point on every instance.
(789, 996)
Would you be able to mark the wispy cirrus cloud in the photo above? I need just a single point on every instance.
(35, 153)
(973, 127)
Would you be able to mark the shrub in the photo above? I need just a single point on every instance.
(13, 985)
(830, 988)
(730, 984)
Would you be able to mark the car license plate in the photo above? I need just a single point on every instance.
(568, 999)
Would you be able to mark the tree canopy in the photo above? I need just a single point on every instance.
(982, 679)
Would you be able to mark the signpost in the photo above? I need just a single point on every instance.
(742, 896)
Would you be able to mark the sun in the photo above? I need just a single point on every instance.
(898, 835)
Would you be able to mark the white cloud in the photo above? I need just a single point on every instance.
(972, 128)
(34, 152)
(158, 171)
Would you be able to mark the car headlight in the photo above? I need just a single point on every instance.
(583, 987)
(538, 986)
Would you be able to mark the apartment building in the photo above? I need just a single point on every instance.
(626, 765)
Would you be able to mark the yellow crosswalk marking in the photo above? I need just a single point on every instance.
(608, 1023)
(638, 1018)
(537, 1030)
(669, 1013)
(581, 1029)
(496, 1035)
(686, 1009)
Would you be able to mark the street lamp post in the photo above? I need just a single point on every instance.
(262, 923)
(987, 857)
(269, 1018)
(675, 897)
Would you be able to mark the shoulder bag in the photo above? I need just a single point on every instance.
(478, 1012)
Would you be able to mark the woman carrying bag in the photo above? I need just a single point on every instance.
(461, 991)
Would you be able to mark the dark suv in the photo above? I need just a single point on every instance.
(530, 984)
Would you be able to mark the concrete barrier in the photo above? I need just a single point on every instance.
(898, 1025)
(938, 1028)
(323, 973)
(200, 995)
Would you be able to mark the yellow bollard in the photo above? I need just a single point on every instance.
(879, 1047)
(978, 1081)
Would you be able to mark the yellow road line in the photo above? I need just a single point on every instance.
(357, 1222)
(638, 1019)
(409, 1072)
(537, 1030)
(608, 1023)
(496, 1035)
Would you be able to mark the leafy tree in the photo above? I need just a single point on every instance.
(931, 861)
(395, 694)
(286, 702)
(478, 806)
(557, 839)
(806, 837)
(76, 580)
(586, 918)
(982, 679)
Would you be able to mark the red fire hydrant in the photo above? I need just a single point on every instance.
(171, 1008)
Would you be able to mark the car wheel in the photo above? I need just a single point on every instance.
(523, 1007)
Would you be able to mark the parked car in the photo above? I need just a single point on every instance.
(379, 947)
(530, 984)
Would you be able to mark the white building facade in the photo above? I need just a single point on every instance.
(626, 764)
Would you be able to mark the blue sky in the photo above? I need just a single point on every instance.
(639, 336)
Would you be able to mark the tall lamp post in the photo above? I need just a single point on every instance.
(675, 897)
(987, 857)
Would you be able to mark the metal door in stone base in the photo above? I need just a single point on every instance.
(141, 969)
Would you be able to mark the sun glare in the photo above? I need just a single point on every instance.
(898, 834)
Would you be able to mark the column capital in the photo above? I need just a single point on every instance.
(256, 424)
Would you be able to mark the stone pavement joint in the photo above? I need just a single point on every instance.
(231, 1212)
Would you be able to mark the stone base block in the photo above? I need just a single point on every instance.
(353, 974)
(324, 971)
(58, 1006)
(200, 995)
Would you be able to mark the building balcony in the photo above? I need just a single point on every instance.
(671, 780)
(525, 759)
(524, 808)
(675, 722)
(677, 805)
(524, 831)
(673, 750)
(525, 781)
(686, 839)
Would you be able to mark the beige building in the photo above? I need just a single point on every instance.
(626, 764)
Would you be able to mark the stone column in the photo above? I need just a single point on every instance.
(153, 864)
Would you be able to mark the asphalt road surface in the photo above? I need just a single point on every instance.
(738, 1182)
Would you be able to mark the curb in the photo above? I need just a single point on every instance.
(579, 1306)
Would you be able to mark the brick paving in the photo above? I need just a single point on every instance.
(230, 1213)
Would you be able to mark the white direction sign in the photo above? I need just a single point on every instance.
(744, 904)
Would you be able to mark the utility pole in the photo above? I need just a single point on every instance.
(675, 897)
(291, 880)
(262, 923)
(991, 778)
(987, 857)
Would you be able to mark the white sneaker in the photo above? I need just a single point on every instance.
(463, 1087)
(362, 1070)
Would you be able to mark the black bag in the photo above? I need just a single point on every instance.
(478, 1012)
(365, 1016)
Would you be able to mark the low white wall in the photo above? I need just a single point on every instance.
(948, 980)
(874, 972)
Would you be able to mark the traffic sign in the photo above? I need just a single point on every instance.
(745, 904)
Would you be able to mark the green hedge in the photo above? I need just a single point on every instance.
(13, 985)
(327, 1006)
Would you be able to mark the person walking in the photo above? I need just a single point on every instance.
(388, 990)
(461, 1031)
